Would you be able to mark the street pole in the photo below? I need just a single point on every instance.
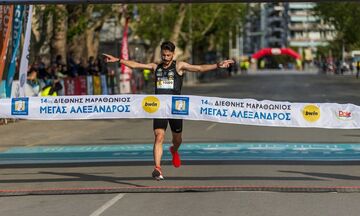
(237, 43)
(343, 51)
(192, 75)
(230, 43)
(117, 68)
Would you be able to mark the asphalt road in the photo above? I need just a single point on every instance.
(279, 87)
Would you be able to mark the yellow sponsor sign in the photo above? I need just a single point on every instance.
(311, 113)
(151, 104)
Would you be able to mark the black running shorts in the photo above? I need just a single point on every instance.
(175, 124)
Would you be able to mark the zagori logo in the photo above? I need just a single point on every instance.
(151, 104)
(311, 113)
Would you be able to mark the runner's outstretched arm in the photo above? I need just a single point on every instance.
(183, 66)
(129, 63)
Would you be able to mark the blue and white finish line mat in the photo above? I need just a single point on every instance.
(189, 152)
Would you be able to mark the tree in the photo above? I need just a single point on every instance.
(205, 25)
(49, 27)
(60, 29)
(75, 27)
(58, 42)
(212, 23)
(85, 23)
(344, 16)
(155, 24)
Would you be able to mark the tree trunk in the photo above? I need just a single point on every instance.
(186, 53)
(92, 42)
(78, 46)
(36, 29)
(86, 43)
(58, 42)
(93, 32)
(77, 42)
(177, 29)
(89, 35)
(35, 24)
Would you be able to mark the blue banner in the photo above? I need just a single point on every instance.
(16, 36)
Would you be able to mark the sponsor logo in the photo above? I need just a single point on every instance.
(344, 115)
(180, 106)
(151, 104)
(311, 113)
(276, 51)
(159, 72)
(171, 75)
(20, 106)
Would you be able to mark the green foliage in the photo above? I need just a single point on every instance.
(345, 17)
(206, 25)
(77, 20)
(43, 13)
(157, 21)
(82, 17)
(76, 15)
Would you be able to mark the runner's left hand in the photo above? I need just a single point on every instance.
(110, 58)
(225, 63)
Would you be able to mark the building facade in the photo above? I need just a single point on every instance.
(276, 22)
(284, 24)
(253, 29)
(306, 31)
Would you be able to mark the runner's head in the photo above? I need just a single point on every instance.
(167, 51)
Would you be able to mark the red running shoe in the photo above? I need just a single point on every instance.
(157, 174)
(175, 157)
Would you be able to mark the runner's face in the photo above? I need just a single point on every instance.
(167, 56)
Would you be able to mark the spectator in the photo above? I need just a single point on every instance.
(59, 60)
(33, 81)
(71, 65)
(81, 68)
(92, 67)
(40, 66)
(51, 90)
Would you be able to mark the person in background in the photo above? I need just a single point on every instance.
(51, 90)
(33, 81)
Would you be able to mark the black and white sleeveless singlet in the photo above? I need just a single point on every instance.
(168, 81)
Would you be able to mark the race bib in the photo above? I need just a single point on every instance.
(163, 83)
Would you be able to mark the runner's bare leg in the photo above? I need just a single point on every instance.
(176, 140)
(158, 146)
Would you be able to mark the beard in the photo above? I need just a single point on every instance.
(166, 61)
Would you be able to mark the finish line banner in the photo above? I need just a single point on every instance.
(223, 110)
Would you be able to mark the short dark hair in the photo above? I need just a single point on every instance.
(168, 45)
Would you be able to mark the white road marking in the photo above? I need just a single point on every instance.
(107, 205)
(211, 126)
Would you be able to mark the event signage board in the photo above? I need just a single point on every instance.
(224, 110)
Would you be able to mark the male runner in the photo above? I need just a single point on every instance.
(168, 80)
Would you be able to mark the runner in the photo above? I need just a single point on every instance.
(168, 80)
